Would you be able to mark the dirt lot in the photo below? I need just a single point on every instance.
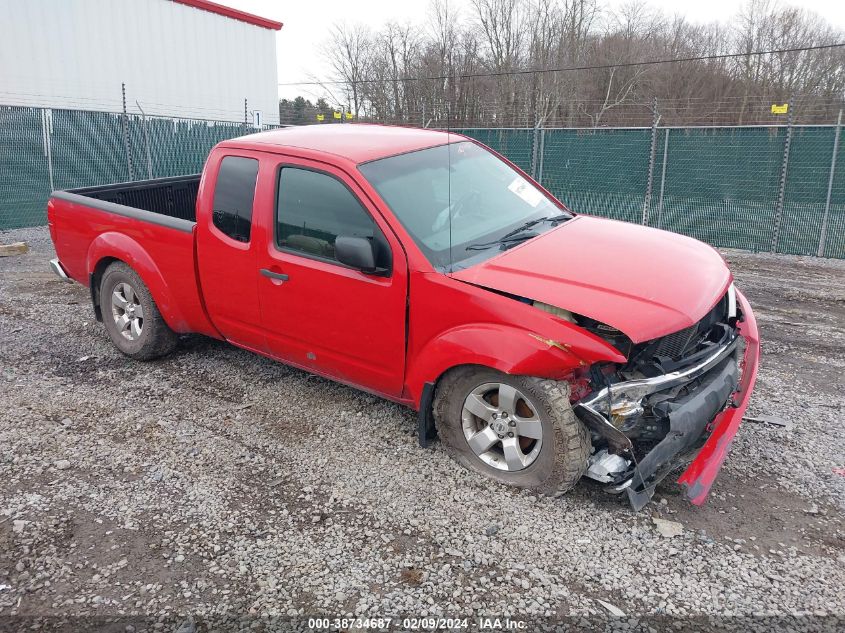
(216, 481)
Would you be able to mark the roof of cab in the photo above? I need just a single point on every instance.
(356, 142)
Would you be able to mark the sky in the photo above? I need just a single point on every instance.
(306, 26)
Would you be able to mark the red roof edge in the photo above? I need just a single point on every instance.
(229, 12)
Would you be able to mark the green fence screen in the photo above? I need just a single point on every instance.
(756, 188)
(733, 187)
(42, 150)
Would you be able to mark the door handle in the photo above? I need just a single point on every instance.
(272, 275)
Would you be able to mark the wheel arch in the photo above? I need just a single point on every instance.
(426, 424)
(95, 278)
(552, 467)
(506, 348)
(112, 247)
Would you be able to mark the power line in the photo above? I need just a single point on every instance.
(505, 73)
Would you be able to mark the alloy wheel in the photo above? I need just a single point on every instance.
(127, 311)
(502, 427)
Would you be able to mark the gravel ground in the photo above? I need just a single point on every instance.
(218, 482)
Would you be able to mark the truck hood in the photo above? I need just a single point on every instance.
(644, 282)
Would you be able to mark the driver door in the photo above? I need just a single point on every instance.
(316, 312)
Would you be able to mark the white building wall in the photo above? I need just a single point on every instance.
(175, 60)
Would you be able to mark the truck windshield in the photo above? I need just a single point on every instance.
(460, 203)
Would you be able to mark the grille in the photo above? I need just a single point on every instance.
(676, 344)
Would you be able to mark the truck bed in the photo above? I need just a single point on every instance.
(149, 225)
(173, 197)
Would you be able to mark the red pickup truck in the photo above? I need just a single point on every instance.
(541, 345)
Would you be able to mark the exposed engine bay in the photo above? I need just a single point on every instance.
(647, 414)
(652, 413)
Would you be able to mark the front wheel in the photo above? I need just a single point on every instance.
(518, 430)
(131, 317)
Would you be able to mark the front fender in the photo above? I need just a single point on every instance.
(113, 245)
(506, 348)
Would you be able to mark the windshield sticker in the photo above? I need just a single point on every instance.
(524, 190)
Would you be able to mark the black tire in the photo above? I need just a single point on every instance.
(155, 338)
(565, 448)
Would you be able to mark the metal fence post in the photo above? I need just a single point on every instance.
(823, 236)
(782, 188)
(146, 140)
(47, 141)
(127, 144)
(542, 154)
(535, 146)
(650, 181)
(663, 178)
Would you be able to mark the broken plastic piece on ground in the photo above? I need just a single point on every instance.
(769, 419)
(839, 471)
(613, 610)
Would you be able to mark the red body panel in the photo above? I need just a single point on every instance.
(163, 257)
(454, 321)
(701, 473)
(356, 144)
(644, 282)
(227, 268)
(327, 318)
(392, 335)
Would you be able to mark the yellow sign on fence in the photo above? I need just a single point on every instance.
(780, 109)
(348, 116)
(321, 117)
(336, 114)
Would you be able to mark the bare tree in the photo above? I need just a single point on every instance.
(503, 25)
(632, 34)
(494, 64)
(579, 20)
(348, 52)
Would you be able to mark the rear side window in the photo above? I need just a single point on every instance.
(315, 208)
(234, 195)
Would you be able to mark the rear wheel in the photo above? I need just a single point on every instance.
(131, 317)
(518, 430)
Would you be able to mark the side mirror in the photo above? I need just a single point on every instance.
(356, 252)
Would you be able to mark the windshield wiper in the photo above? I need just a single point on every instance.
(517, 234)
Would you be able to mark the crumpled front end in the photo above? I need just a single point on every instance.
(679, 396)
(701, 473)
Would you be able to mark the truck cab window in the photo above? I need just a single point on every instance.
(233, 197)
(313, 209)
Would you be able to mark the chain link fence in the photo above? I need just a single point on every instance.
(42, 150)
(777, 188)
(760, 188)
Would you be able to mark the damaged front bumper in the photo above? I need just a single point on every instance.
(717, 405)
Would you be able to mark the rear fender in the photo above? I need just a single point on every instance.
(113, 245)
(509, 349)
